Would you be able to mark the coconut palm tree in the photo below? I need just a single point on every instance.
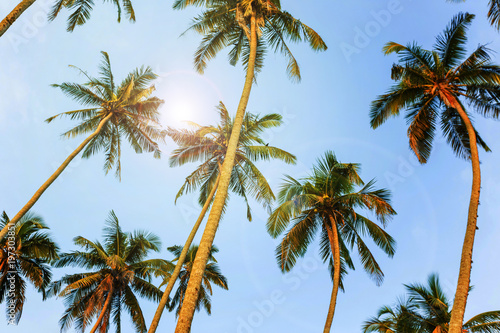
(112, 112)
(80, 15)
(24, 256)
(208, 144)
(119, 271)
(248, 27)
(426, 310)
(433, 86)
(331, 201)
(212, 275)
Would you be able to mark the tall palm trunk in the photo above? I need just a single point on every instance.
(52, 178)
(460, 302)
(2, 263)
(200, 262)
(14, 15)
(105, 307)
(333, 236)
(180, 261)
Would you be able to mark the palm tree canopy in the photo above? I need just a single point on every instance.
(212, 275)
(226, 23)
(208, 145)
(426, 309)
(83, 8)
(430, 81)
(134, 112)
(25, 254)
(117, 266)
(333, 190)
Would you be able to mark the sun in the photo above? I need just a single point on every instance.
(178, 112)
(189, 97)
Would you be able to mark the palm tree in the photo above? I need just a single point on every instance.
(118, 272)
(212, 275)
(248, 26)
(80, 15)
(24, 255)
(426, 310)
(208, 144)
(113, 112)
(329, 201)
(433, 86)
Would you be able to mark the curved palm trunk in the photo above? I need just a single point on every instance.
(14, 15)
(180, 261)
(104, 310)
(200, 262)
(460, 302)
(333, 236)
(52, 178)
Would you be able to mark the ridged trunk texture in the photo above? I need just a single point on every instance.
(333, 236)
(462, 292)
(200, 262)
(180, 261)
(104, 309)
(14, 15)
(52, 178)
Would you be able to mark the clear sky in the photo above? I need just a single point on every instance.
(328, 110)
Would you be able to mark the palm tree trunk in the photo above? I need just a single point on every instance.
(180, 261)
(200, 262)
(462, 292)
(52, 178)
(333, 236)
(14, 15)
(105, 307)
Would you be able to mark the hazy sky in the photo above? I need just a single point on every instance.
(328, 110)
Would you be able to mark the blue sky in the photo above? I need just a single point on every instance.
(328, 110)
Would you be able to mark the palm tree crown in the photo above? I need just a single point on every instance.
(432, 84)
(331, 190)
(83, 8)
(227, 23)
(128, 109)
(426, 309)
(24, 255)
(118, 272)
(212, 275)
(208, 144)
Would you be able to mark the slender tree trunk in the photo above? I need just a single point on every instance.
(462, 292)
(200, 262)
(14, 15)
(333, 236)
(105, 307)
(180, 261)
(52, 178)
